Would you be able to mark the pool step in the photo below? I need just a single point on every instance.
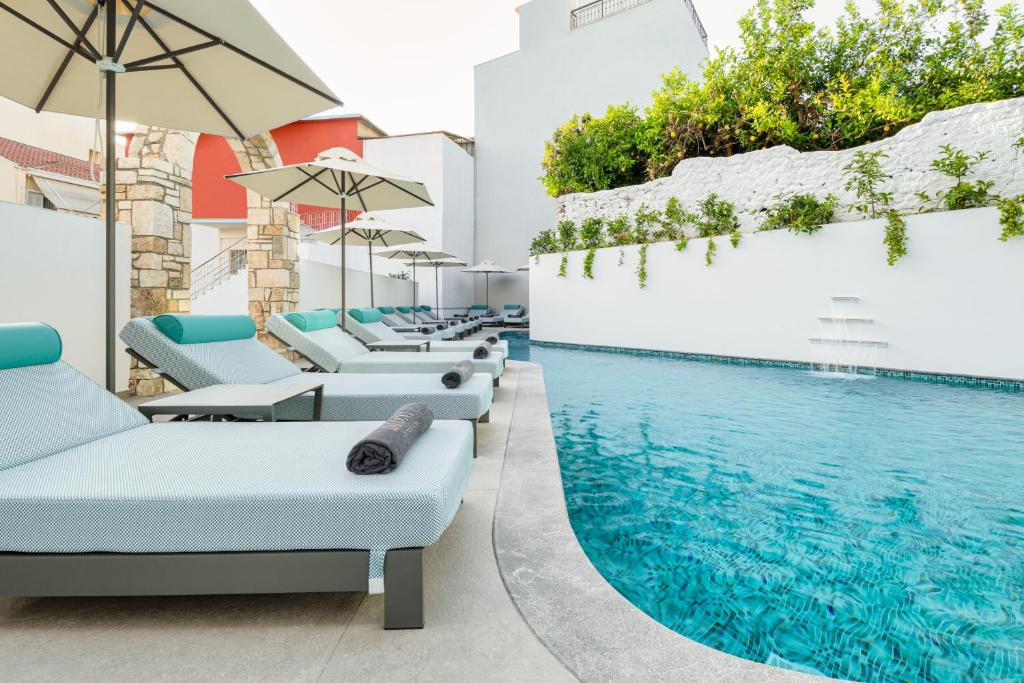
(857, 321)
(846, 299)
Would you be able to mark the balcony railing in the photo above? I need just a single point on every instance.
(600, 9)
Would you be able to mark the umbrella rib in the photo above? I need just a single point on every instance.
(47, 32)
(411, 194)
(185, 72)
(136, 13)
(243, 53)
(67, 59)
(355, 186)
(132, 66)
(79, 35)
(309, 177)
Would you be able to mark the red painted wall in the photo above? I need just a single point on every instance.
(215, 197)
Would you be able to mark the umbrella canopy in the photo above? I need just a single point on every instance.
(337, 176)
(487, 267)
(414, 256)
(368, 230)
(211, 67)
(437, 265)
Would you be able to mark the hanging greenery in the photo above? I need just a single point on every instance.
(1011, 217)
(895, 239)
(591, 238)
(801, 213)
(567, 242)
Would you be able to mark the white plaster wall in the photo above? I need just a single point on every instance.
(52, 270)
(320, 287)
(229, 297)
(952, 305)
(447, 171)
(205, 244)
(521, 98)
(754, 180)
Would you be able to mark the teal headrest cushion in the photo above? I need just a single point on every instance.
(24, 344)
(202, 329)
(424, 307)
(511, 306)
(310, 321)
(364, 315)
(386, 309)
(479, 307)
(404, 309)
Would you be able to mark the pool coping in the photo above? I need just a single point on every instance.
(970, 381)
(590, 627)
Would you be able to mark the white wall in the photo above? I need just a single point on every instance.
(447, 171)
(523, 97)
(754, 181)
(953, 305)
(52, 270)
(320, 287)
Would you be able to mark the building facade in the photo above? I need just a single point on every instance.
(573, 58)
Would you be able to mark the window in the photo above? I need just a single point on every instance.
(37, 199)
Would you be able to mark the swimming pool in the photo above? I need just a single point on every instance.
(870, 529)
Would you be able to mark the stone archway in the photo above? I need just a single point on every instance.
(273, 240)
(154, 196)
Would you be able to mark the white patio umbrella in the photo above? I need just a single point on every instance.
(437, 264)
(367, 230)
(339, 176)
(414, 256)
(212, 67)
(487, 267)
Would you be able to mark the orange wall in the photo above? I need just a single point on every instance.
(212, 195)
(215, 197)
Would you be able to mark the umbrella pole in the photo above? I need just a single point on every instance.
(437, 291)
(487, 295)
(111, 199)
(371, 273)
(414, 289)
(341, 223)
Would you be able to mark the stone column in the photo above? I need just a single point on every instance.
(154, 193)
(273, 240)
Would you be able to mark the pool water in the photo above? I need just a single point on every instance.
(868, 529)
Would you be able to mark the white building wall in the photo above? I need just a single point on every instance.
(523, 97)
(952, 305)
(52, 270)
(447, 171)
(62, 133)
(320, 287)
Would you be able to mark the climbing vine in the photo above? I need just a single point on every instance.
(895, 239)
(567, 242)
(641, 267)
(864, 176)
(619, 234)
(591, 237)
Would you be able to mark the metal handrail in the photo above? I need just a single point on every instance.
(600, 9)
(219, 267)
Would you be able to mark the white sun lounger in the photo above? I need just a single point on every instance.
(366, 325)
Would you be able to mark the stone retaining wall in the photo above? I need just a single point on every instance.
(753, 181)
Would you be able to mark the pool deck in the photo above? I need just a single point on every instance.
(509, 596)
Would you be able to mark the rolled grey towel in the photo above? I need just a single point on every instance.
(459, 373)
(426, 330)
(492, 340)
(383, 449)
(481, 351)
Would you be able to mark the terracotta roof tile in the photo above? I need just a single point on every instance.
(41, 159)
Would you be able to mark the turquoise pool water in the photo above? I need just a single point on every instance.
(869, 529)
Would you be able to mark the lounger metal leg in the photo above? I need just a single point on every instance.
(496, 382)
(475, 439)
(403, 588)
(486, 417)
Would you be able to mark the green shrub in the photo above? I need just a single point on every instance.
(793, 83)
(964, 194)
(590, 153)
(1011, 217)
(714, 217)
(864, 175)
(544, 243)
(591, 237)
(620, 234)
(801, 213)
